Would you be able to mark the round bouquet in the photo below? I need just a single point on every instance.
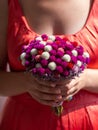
(54, 58)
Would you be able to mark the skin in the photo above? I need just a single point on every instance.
(46, 18)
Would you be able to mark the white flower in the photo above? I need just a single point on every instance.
(43, 42)
(51, 37)
(22, 56)
(23, 62)
(48, 48)
(74, 52)
(33, 51)
(66, 58)
(45, 55)
(38, 65)
(79, 63)
(38, 38)
(86, 54)
(52, 66)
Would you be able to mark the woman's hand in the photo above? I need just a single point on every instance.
(76, 85)
(72, 87)
(44, 92)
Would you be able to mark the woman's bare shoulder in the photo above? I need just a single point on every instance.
(3, 30)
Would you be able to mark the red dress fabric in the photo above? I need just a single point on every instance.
(24, 113)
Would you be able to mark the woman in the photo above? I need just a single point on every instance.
(28, 106)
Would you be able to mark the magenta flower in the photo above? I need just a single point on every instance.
(66, 73)
(41, 71)
(52, 58)
(44, 62)
(59, 53)
(74, 59)
(64, 64)
(53, 52)
(58, 61)
(55, 46)
(59, 69)
(34, 71)
(44, 37)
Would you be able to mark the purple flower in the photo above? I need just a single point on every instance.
(27, 56)
(58, 61)
(87, 60)
(64, 64)
(53, 52)
(58, 39)
(52, 58)
(48, 71)
(41, 71)
(68, 52)
(74, 59)
(80, 50)
(27, 63)
(59, 69)
(59, 53)
(69, 46)
(82, 67)
(54, 46)
(44, 62)
(34, 70)
(44, 37)
(28, 51)
(39, 46)
(81, 58)
(66, 73)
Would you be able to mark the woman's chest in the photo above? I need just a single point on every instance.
(57, 16)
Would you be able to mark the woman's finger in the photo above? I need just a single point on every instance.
(71, 91)
(48, 89)
(45, 96)
(45, 101)
(72, 83)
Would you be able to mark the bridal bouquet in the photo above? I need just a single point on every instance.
(54, 58)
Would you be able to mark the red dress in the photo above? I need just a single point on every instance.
(24, 113)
